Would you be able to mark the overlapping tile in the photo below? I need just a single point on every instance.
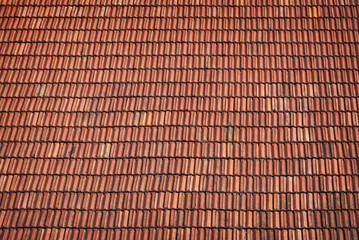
(179, 119)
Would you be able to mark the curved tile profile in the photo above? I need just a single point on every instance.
(179, 119)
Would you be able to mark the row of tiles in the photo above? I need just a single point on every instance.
(205, 90)
(182, 10)
(161, 106)
(177, 233)
(179, 62)
(187, 149)
(263, 36)
(339, 168)
(179, 219)
(179, 183)
(227, 185)
(177, 2)
(179, 133)
(184, 202)
(178, 24)
(227, 77)
(320, 122)
(196, 49)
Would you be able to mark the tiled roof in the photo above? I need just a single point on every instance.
(179, 119)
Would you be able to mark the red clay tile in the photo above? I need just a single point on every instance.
(183, 119)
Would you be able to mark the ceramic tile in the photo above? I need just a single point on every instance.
(179, 119)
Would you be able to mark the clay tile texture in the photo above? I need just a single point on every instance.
(169, 119)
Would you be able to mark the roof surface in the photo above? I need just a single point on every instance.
(179, 119)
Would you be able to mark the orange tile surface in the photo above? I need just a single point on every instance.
(177, 119)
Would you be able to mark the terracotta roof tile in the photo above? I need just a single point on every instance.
(182, 119)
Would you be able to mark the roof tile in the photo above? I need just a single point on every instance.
(190, 119)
